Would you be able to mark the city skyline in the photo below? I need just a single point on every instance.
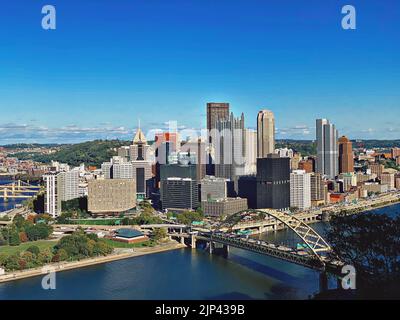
(171, 62)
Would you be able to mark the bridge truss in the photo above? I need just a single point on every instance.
(310, 240)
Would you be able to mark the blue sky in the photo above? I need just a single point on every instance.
(109, 63)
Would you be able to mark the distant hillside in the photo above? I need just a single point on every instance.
(92, 153)
(30, 145)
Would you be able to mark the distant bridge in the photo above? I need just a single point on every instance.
(19, 190)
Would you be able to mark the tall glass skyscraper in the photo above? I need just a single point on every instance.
(327, 149)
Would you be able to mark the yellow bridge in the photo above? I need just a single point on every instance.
(18, 190)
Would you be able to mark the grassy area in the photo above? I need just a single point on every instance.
(117, 244)
(96, 222)
(41, 244)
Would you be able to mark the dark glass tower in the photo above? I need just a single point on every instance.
(273, 182)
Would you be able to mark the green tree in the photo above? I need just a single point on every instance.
(159, 234)
(12, 263)
(14, 238)
(34, 249)
(44, 256)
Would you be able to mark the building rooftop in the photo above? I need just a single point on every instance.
(128, 233)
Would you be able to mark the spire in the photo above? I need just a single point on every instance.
(139, 136)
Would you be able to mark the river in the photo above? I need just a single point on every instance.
(182, 274)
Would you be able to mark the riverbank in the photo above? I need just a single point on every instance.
(118, 254)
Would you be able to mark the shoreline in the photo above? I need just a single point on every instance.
(63, 266)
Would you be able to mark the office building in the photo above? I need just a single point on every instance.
(265, 133)
(346, 157)
(141, 164)
(389, 180)
(216, 112)
(179, 193)
(251, 152)
(247, 188)
(306, 165)
(349, 180)
(300, 189)
(318, 189)
(111, 196)
(213, 188)
(230, 149)
(223, 207)
(376, 168)
(284, 152)
(273, 182)
(395, 153)
(327, 148)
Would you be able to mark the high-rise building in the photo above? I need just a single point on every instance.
(179, 193)
(346, 158)
(216, 112)
(60, 186)
(141, 166)
(251, 151)
(327, 148)
(178, 171)
(68, 184)
(265, 133)
(230, 148)
(377, 168)
(273, 182)
(388, 179)
(52, 202)
(247, 188)
(317, 189)
(300, 189)
(395, 153)
(196, 151)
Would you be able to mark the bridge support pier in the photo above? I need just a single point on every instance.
(323, 281)
(210, 248)
(182, 240)
(193, 242)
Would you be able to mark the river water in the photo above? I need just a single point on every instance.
(182, 274)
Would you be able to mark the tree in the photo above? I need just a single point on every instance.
(14, 238)
(370, 243)
(159, 234)
(34, 249)
(44, 256)
(23, 237)
(19, 221)
(11, 263)
(38, 231)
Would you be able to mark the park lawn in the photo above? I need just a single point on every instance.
(117, 244)
(41, 244)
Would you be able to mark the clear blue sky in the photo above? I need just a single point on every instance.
(110, 62)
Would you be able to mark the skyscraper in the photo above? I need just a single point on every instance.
(300, 189)
(273, 182)
(215, 112)
(141, 166)
(230, 148)
(346, 159)
(265, 133)
(327, 148)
